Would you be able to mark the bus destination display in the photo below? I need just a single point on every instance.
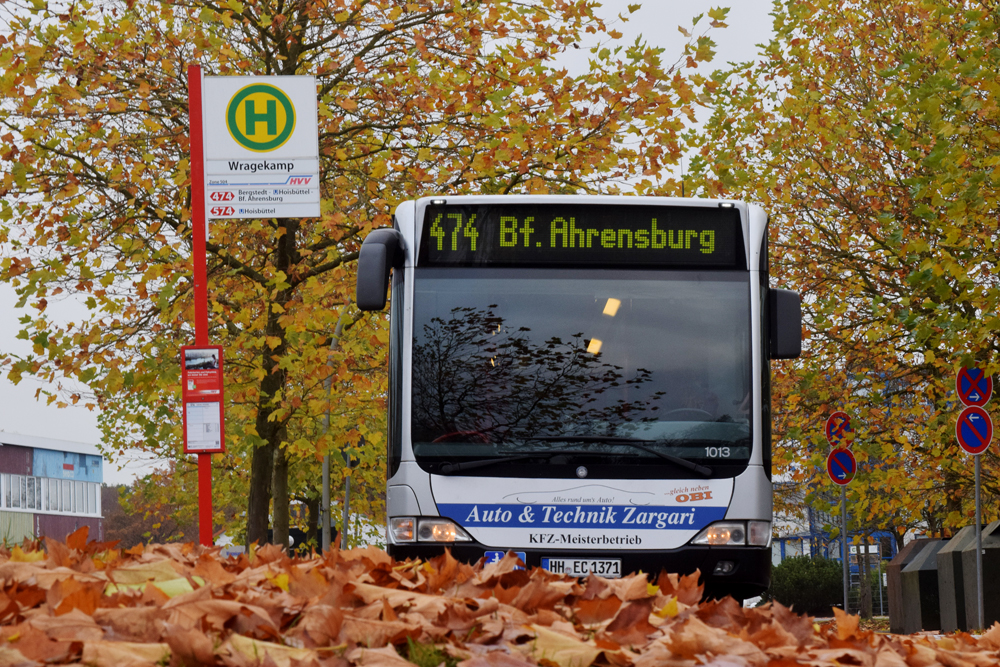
(554, 234)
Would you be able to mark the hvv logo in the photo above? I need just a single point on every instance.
(299, 180)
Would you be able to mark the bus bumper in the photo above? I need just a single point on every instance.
(749, 574)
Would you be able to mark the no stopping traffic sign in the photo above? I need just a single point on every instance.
(974, 387)
(839, 431)
(974, 430)
(841, 466)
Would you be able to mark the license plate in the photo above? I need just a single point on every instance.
(610, 568)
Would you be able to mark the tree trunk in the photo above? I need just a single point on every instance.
(280, 503)
(259, 498)
(312, 530)
(866, 584)
(262, 470)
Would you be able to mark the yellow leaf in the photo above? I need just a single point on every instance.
(281, 580)
(19, 556)
(670, 609)
(561, 649)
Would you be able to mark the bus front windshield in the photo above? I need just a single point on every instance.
(515, 361)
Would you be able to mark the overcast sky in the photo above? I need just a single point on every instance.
(749, 24)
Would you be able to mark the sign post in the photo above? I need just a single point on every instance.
(974, 431)
(254, 154)
(198, 232)
(841, 466)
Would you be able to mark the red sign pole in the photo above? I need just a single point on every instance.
(198, 227)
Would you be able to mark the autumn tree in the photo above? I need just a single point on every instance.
(870, 133)
(416, 97)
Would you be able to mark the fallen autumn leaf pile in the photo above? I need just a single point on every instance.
(175, 604)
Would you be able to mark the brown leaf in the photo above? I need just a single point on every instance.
(445, 571)
(192, 647)
(726, 613)
(492, 573)
(539, 593)
(991, 638)
(70, 594)
(35, 644)
(685, 588)
(322, 624)
(74, 626)
(136, 624)
(799, 626)
(496, 659)
(306, 584)
(634, 587)
(255, 650)
(59, 553)
(631, 626)
(847, 625)
(211, 570)
(124, 654)
(78, 538)
(26, 597)
(696, 638)
(374, 633)
(11, 657)
(596, 610)
(377, 657)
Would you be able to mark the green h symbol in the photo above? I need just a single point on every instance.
(270, 116)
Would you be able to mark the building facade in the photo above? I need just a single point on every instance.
(48, 488)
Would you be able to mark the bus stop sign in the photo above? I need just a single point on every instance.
(839, 432)
(974, 430)
(974, 386)
(841, 466)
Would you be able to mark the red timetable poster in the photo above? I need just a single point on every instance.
(202, 393)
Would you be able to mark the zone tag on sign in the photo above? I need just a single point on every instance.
(974, 430)
(974, 387)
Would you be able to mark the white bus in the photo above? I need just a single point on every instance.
(583, 380)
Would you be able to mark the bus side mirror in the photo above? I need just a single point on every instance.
(381, 251)
(785, 309)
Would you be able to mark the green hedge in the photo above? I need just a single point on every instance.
(809, 585)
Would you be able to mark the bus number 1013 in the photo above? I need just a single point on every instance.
(439, 232)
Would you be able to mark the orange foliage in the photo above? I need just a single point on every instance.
(186, 605)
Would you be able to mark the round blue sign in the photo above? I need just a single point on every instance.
(974, 386)
(974, 430)
(841, 466)
(839, 431)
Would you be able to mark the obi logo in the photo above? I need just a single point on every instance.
(260, 117)
(222, 196)
(692, 497)
(222, 210)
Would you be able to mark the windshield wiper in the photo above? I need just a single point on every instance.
(638, 443)
(448, 468)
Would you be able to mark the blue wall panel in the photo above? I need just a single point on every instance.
(65, 465)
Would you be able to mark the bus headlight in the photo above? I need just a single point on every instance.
(440, 530)
(403, 528)
(425, 529)
(735, 533)
(723, 533)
